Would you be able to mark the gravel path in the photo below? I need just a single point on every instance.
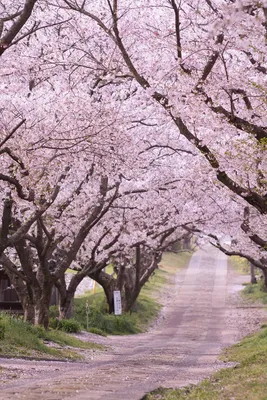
(203, 313)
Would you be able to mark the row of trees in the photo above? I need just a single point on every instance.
(124, 127)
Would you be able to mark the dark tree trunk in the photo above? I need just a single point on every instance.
(264, 271)
(41, 314)
(108, 289)
(253, 278)
(23, 290)
(109, 284)
(128, 297)
(28, 311)
(66, 296)
(41, 305)
(65, 310)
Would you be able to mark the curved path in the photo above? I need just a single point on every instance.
(182, 350)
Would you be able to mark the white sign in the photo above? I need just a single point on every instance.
(117, 302)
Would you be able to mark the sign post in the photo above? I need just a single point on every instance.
(117, 302)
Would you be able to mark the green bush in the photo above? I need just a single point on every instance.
(249, 289)
(2, 330)
(53, 323)
(65, 325)
(256, 292)
(53, 312)
(100, 320)
(97, 331)
(38, 331)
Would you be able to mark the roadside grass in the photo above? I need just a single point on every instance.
(147, 306)
(246, 380)
(22, 339)
(254, 292)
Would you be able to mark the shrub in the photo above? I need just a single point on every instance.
(2, 330)
(53, 323)
(66, 325)
(97, 331)
(249, 289)
(53, 312)
(101, 321)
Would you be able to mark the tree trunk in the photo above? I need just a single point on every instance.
(108, 283)
(108, 289)
(41, 305)
(128, 296)
(253, 278)
(28, 311)
(264, 271)
(24, 293)
(66, 296)
(41, 314)
(65, 308)
(129, 299)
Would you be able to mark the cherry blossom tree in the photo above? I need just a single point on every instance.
(42, 259)
(240, 232)
(132, 270)
(209, 81)
(254, 255)
(113, 120)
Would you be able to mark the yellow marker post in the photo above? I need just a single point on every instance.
(94, 287)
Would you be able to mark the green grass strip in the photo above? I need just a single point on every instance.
(21, 339)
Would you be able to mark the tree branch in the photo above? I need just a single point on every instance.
(12, 132)
(15, 182)
(23, 17)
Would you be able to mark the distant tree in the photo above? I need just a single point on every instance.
(131, 272)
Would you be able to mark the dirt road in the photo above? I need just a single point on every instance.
(203, 317)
